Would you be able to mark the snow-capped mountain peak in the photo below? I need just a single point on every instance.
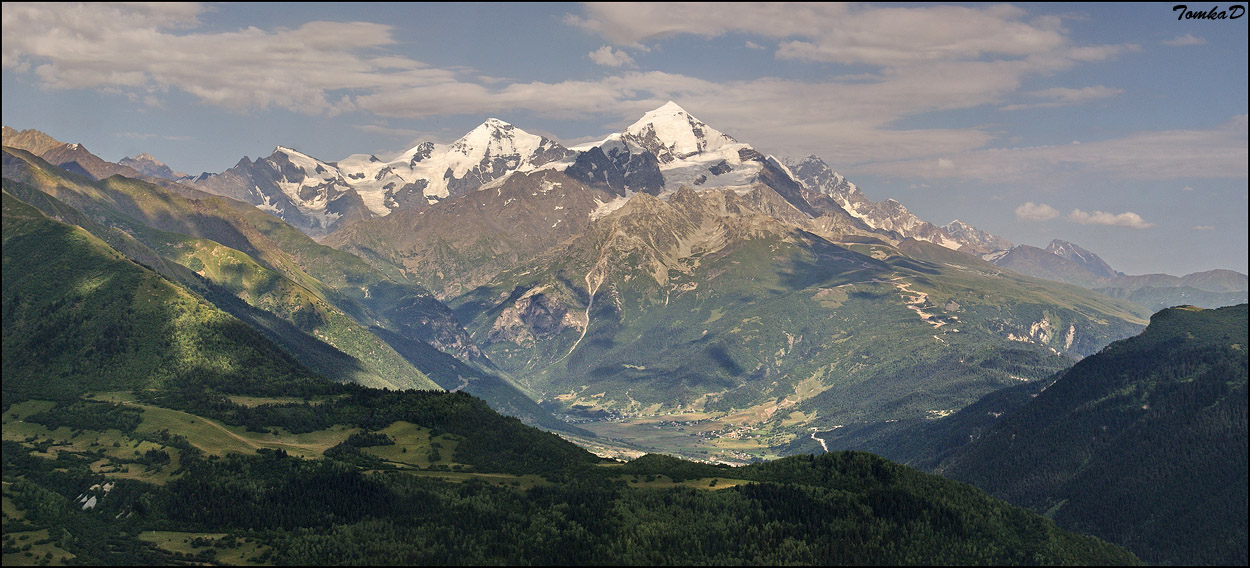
(665, 150)
(1086, 259)
(673, 134)
(977, 241)
(311, 167)
(498, 138)
(430, 172)
(818, 176)
(290, 151)
(889, 215)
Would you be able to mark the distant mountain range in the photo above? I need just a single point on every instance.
(661, 152)
(671, 268)
(666, 270)
(1065, 262)
(668, 288)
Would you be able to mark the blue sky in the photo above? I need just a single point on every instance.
(1117, 127)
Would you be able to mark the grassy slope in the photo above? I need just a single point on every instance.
(79, 316)
(137, 207)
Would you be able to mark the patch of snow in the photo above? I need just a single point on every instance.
(993, 256)
(602, 209)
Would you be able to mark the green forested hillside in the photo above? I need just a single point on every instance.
(1144, 444)
(483, 490)
(79, 316)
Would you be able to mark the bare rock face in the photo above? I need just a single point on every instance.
(534, 316)
(619, 170)
(596, 169)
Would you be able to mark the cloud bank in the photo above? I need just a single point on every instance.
(920, 59)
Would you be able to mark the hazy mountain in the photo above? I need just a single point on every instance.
(31, 140)
(1158, 298)
(1062, 261)
(730, 306)
(891, 216)
(148, 165)
(458, 244)
(1042, 263)
(974, 240)
(1085, 259)
(1219, 281)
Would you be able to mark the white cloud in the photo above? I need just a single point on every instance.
(926, 59)
(876, 35)
(609, 57)
(1062, 96)
(1187, 39)
(1126, 219)
(919, 65)
(630, 23)
(1074, 96)
(1030, 211)
(886, 36)
(1187, 188)
(1214, 153)
(1204, 227)
(894, 36)
(133, 48)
